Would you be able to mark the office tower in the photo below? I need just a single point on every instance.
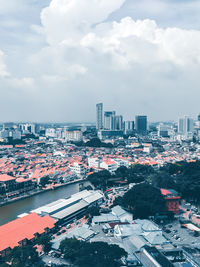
(99, 116)
(109, 120)
(128, 127)
(198, 118)
(185, 125)
(141, 123)
(118, 122)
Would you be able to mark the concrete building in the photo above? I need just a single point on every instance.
(78, 168)
(66, 210)
(27, 128)
(152, 257)
(103, 134)
(50, 132)
(75, 136)
(109, 120)
(23, 230)
(163, 130)
(141, 123)
(109, 165)
(128, 127)
(118, 123)
(94, 162)
(185, 126)
(11, 186)
(99, 116)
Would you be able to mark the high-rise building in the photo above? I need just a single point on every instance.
(198, 118)
(185, 125)
(118, 120)
(163, 130)
(99, 116)
(128, 127)
(141, 123)
(109, 120)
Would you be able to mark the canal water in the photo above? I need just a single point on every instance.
(12, 210)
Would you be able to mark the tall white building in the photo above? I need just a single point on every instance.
(50, 132)
(109, 120)
(78, 169)
(99, 116)
(73, 136)
(185, 125)
(27, 128)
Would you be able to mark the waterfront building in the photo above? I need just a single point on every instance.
(23, 230)
(66, 210)
(99, 116)
(11, 186)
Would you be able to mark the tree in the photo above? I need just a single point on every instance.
(44, 180)
(100, 254)
(96, 142)
(144, 200)
(70, 248)
(96, 254)
(23, 256)
(93, 211)
(100, 179)
(44, 240)
(163, 179)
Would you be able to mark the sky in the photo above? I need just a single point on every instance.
(58, 58)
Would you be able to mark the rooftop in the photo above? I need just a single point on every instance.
(23, 228)
(5, 178)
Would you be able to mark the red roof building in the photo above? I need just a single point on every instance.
(18, 232)
(172, 200)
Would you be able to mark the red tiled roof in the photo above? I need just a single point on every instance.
(165, 192)
(5, 178)
(23, 228)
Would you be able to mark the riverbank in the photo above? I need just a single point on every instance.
(40, 191)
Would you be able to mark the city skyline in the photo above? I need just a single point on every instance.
(124, 53)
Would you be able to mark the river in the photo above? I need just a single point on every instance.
(12, 210)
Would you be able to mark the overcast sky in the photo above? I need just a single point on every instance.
(58, 58)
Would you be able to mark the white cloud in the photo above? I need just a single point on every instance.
(133, 65)
(3, 68)
(66, 19)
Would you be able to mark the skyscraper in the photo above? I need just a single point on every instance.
(198, 118)
(99, 116)
(185, 125)
(119, 122)
(141, 123)
(129, 127)
(109, 117)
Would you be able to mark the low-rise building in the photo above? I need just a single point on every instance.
(20, 231)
